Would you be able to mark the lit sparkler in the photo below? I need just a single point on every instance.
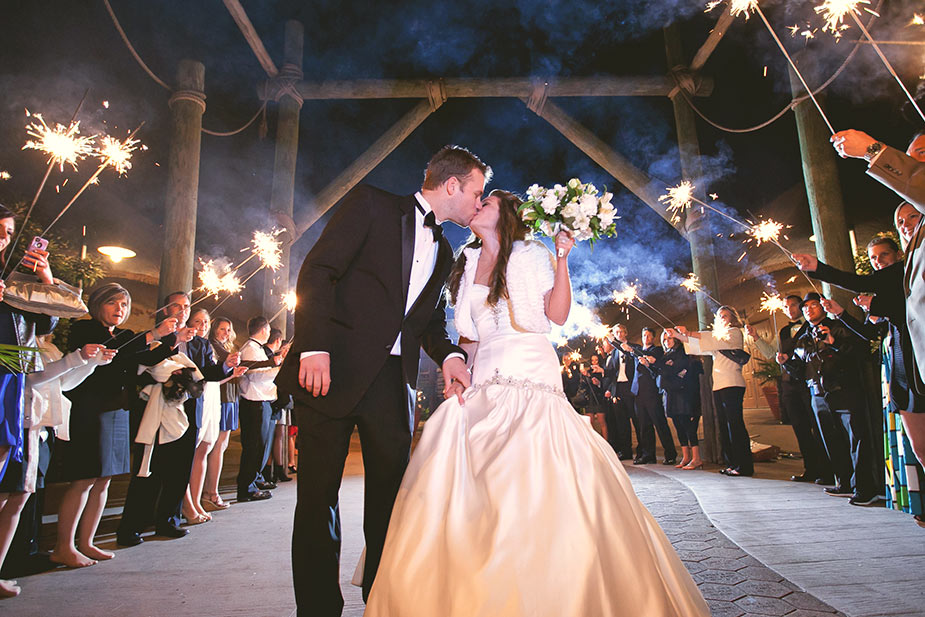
(116, 153)
(767, 230)
(692, 284)
(629, 294)
(772, 303)
(61, 144)
(720, 330)
(679, 199)
(268, 249)
(834, 13)
(290, 300)
(216, 279)
(917, 20)
(5, 175)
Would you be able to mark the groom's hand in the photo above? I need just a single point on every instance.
(315, 373)
(456, 377)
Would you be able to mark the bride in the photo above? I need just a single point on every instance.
(512, 505)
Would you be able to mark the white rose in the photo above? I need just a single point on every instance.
(574, 183)
(571, 211)
(588, 205)
(550, 203)
(605, 199)
(535, 191)
(606, 219)
(559, 190)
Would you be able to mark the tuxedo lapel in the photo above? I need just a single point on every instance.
(407, 247)
(438, 278)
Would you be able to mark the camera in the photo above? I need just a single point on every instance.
(818, 333)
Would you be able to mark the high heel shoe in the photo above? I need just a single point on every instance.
(682, 465)
(213, 503)
(691, 466)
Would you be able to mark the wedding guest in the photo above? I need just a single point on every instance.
(98, 447)
(193, 510)
(726, 343)
(222, 337)
(673, 368)
(830, 354)
(257, 391)
(650, 412)
(625, 409)
(618, 429)
(595, 409)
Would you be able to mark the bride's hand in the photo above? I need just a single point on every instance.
(564, 244)
(456, 377)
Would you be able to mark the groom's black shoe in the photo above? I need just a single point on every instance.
(643, 461)
(669, 461)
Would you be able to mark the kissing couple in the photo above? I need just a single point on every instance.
(511, 505)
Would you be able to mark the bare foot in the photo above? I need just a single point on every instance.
(95, 552)
(71, 558)
(9, 589)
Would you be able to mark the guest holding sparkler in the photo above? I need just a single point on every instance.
(222, 337)
(193, 510)
(650, 413)
(622, 393)
(595, 382)
(673, 368)
(618, 425)
(831, 356)
(904, 173)
(726, 343)
(98, 447)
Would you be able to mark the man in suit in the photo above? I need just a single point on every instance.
(620, 404)
(371, 291)
(650, 412)
(161, 493)
(795, 396)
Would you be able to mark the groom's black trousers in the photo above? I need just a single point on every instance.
(383, 420)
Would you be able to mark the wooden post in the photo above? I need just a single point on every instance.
(287, 149)
(823, 189)
(187, 104)
(701, 241)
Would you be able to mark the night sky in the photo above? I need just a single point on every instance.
(53, 50)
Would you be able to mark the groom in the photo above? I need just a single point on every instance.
(370, 296)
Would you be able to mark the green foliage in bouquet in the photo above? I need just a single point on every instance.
(576, 207)
(17, 359)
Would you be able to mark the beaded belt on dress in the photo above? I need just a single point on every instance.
(525, 384)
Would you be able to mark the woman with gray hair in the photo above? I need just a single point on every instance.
(98, 447)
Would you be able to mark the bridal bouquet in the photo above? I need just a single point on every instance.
(575, 207)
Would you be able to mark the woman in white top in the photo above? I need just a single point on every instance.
(726, 343)
(512, 505)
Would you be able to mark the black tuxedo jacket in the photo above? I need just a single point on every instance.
(352, 292)
(644, 379)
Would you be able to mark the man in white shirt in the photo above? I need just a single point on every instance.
(370, 297)
(257, 392)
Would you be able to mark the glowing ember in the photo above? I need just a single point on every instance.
(599, 331)
(575, 356)
(5, 175)
(835, 11)
(767, 230)
(627, 295)
(679, 199)
(290, 300)
(720, 330)
(746, 7)
(917, 20)
(692, 283)
(61, 144)
(772, 303)
(217, 278)
(268, 249)
(791, 279)
(117, 153)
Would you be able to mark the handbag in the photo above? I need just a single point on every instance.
(739, 356)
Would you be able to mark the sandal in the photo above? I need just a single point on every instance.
(211, 504)
(196, 519)
(919, 520)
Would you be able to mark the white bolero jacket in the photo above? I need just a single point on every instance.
(530, 274)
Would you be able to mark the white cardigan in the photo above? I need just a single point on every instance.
(530, 274)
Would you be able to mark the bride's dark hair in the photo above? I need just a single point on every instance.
(510, 229)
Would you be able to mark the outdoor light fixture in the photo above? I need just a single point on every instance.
(116, 253)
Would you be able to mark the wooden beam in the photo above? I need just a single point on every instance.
(642, 185)
(358, 170)
(716, 35)
(516, 87)
(250, 34)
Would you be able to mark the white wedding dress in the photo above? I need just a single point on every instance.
(513, 506)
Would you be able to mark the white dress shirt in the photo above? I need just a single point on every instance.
(257, 383)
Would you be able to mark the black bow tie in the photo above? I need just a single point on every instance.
(431, 221)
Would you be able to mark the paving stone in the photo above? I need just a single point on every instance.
(716, 591)
(722, 563)
(764, 606)
(761, 573)
(724, 609)
(726, 577)
(687, 545)
(748, 560)
(806, 613)
(693, 567)
(767, 589)
(728, 553)
(691, 555)
(803, 600)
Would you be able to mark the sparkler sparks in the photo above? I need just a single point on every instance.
(117, 153)
(917, 20)
(626, 295)
(679, 199)
(772, 303)
(61, 144)
(692, 283)
(835, 11)
(736, 7)
(767, 230)
(268, 249)
(5, 175)
(216, 279)
(720, 330)
(290, 300)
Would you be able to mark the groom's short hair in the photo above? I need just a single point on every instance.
(453, 161)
